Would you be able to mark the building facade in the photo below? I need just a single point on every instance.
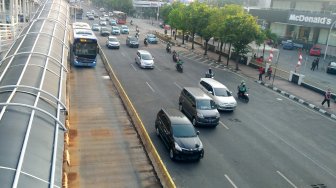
(306, 21)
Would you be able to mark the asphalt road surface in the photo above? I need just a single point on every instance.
(269, 142)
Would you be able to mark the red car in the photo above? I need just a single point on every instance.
(315, 50)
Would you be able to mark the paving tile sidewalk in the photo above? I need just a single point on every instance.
(298, 93)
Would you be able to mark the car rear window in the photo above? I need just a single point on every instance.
(333, 64)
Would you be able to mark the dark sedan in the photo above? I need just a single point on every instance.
(331, 67)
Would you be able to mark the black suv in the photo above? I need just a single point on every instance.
(179, 135)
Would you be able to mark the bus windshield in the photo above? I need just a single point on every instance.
(85, 49)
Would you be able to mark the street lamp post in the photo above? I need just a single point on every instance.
(326, 49)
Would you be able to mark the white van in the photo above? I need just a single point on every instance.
(219, 93)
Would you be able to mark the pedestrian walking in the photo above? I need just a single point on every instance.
(173, 32)
(261, 72)
(269, 73)
(327, 97)
(313, 65)
(317, 62)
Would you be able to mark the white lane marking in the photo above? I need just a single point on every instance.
(204, 61)
(227, 177)
(106, 77)
(133, 67)
(284, 177)
(279, 99)
(178, 86)
(123, 54)
(226, 127)
(150, 87)
(158, 68)
(323, 167)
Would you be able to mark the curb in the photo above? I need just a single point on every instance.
(312, 106)
(301, 101)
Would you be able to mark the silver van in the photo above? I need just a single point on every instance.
(219, 93)
(198, 107)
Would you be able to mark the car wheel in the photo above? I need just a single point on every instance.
(194, 121)
(171, 154)
(157, 131)
(181, 107)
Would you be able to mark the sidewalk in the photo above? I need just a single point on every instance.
(293, 91)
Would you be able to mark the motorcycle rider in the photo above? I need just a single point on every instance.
(175, 57)
(131, 22)
(145, 42)
(179, 64)
(242, 88)
(168, 47)
(209, 74)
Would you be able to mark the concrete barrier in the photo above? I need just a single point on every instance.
(159, 167)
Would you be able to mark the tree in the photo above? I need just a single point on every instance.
(196, 14)
(205, 29)
(243, 30)
(177, 19)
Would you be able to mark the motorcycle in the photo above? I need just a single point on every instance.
(145, 42)
(244, 97)
(209, 75)
(179, 67)
(175, 57)
(168, 49)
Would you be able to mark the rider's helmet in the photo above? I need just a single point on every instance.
(242, 83)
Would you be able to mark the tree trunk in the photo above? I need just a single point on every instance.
(220, 52)
(206, 47)
(237, 62)
(193, 41)
(228, 59)
(182, 36)
(175, 33)
(263, 50)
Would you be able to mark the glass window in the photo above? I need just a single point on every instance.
(146, 57)
(183, 131)
(222, 92)
(205, 104)
(86, 49)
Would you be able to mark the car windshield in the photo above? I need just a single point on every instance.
(146, 57)
(183, 131)
(221, 92)
(316, 48)
(113, 40)
(124, 27)
(151, 36)
(205, 104)
(115, 29)
(104, 29)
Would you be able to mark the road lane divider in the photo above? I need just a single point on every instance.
(178, 86)
(284, 177)
(161, 170)
(232, 183)
(226, 127)
(150, 87)
(133, 67)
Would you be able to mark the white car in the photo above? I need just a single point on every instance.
(144, 59)
(115, 30)
(102, 23)
(95, 27)
(112, 42)
(124, 29)
(219, 93)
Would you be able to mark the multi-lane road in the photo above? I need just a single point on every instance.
(269, 142)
